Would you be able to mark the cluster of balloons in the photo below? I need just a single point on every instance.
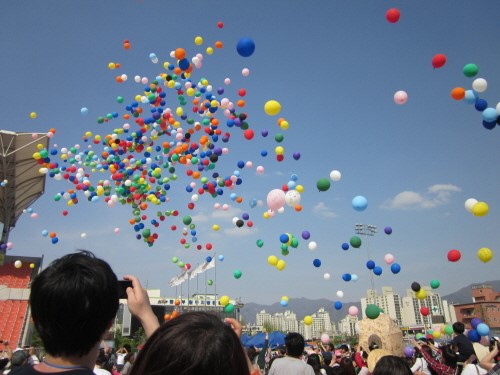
(52, 235)
(420, 292)
(323, 184)
(476, 207)
(479, 329)
(226, 303)
(273, 260)
(143, 156)
(490, 114)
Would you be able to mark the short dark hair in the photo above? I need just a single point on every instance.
(294, 343)
(458, 327)
(392, 365)
(72, 302)
(195, 342)
(314, 361)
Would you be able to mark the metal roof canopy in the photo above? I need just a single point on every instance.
(19, 171)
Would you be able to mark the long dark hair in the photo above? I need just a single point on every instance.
(193, 343)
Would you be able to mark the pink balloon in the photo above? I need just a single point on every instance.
(275, 199)
(325, 339)
(400, 97)
(389, 258)
(353, 310)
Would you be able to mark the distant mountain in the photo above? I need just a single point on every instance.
(304, 306)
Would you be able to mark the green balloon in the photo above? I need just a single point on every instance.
(470, 70)
(323, 184)
(295, 243)
(448, 330)
(229, 308)
(187, 220)
(279, 137)
(372, 311)
(355, 241)
(260, 243)
(237, 274)
(435, 284)
(175, 260)
(210, 282)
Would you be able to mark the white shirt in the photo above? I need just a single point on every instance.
(472, 369)
(290, 365)
(421, 365)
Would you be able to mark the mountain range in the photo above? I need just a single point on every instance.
(304, 306)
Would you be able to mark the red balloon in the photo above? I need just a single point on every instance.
(438, 60)
(393, 15)
(249, 134)
(424, 311)
(454, 255)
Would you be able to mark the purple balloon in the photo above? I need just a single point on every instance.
(306, 235)
(474, 322)
(387, 230)
(409, 351)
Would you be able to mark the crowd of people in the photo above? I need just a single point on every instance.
(75, 299)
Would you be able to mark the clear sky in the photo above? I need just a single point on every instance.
(334, 66)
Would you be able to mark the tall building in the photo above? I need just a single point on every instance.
(286, 321)
(439, 311)
(349, 325)
(321, 324)
(485, 305)
(388, 301)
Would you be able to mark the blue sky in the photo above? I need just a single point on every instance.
(334, 68)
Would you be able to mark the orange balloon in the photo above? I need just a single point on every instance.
(180, 53)
(177, 302)
(458, 93)
(166, 317)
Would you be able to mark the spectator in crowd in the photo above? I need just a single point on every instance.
(314, 361)
(195, 342)
(32, 357)
(391, 365)
(73, 303)
(447, 365)
(462, 342)
(292, 362)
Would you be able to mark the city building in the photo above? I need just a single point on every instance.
(349, 325)
(485, 305)
(388, 301)
(439, 311)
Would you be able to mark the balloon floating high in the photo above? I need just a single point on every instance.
(337, 305)
(355, 242)
(454, 255)
(393, 15)
(395, 268)
(323, 184)
(438, 60)
(485, 254)
(400, 97)
(435, 284)
(359, 203)
(245, 47)
(470, 70)
(388, 230)
(415, 286)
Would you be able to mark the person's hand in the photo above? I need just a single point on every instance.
(235, 325)
(139, 306)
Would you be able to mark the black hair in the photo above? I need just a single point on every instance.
(458, 327)
(391, 365)
(294, 343)
(314, 361)
(347, 366)
(195, 342)
(73, 301)
(449, 355)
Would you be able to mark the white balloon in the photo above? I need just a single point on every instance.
(340, 294)
(335, 175)
(312, 245)
(292, 198)
(469, 203)
(400, 97)
(326, 276)
(479, 85)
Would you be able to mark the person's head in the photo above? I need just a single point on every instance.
(73, 301)
(330, 347)
(347, 366)
(294, 343)
(458, 328)
(449, 355)
(391, 365)
(19, 358)
(314, 361)
(344, 348)
(193, 343)
(337, 370)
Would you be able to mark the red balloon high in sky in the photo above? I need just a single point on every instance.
(438, 60)
(392, 15)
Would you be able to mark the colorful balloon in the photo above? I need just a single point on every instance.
(359, 203)
(400, 97)
(355, 242)
(480, 209)
(470, 70)
(395, 268)
(393, 15)
(272, 108)
(372, 311)
(323, 184)
(353, 310)
(245, 47)
(484, 254)
(454, 255)
(308, 320)
(438, 60)
(276, 199)
(435, 284)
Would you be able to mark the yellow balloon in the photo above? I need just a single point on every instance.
(33, 115)
(279, 150)
(272, 107)
(215, 227)
(480, 209)
(272, 260)
(284, 298)
(308, 320)
(421, 294)
(436, 334)
(198, 40)
(484, 254)
(224, 300)
(281, 265)
(299, 188)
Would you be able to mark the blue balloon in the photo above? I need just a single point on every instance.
(377, 270)
(481, 104)
(370, 264)
(387, 230)
(473, 335)
(346, 277)
(483, 329)
(474, 322)
(245, 47)
(284, 238)
(395, 268)
(337, 305)
(345, 246)
(317, 263)
(284, 302)
(359, 203)
(208, 259)
(490, 114)
(489, 125)
(470, 97)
